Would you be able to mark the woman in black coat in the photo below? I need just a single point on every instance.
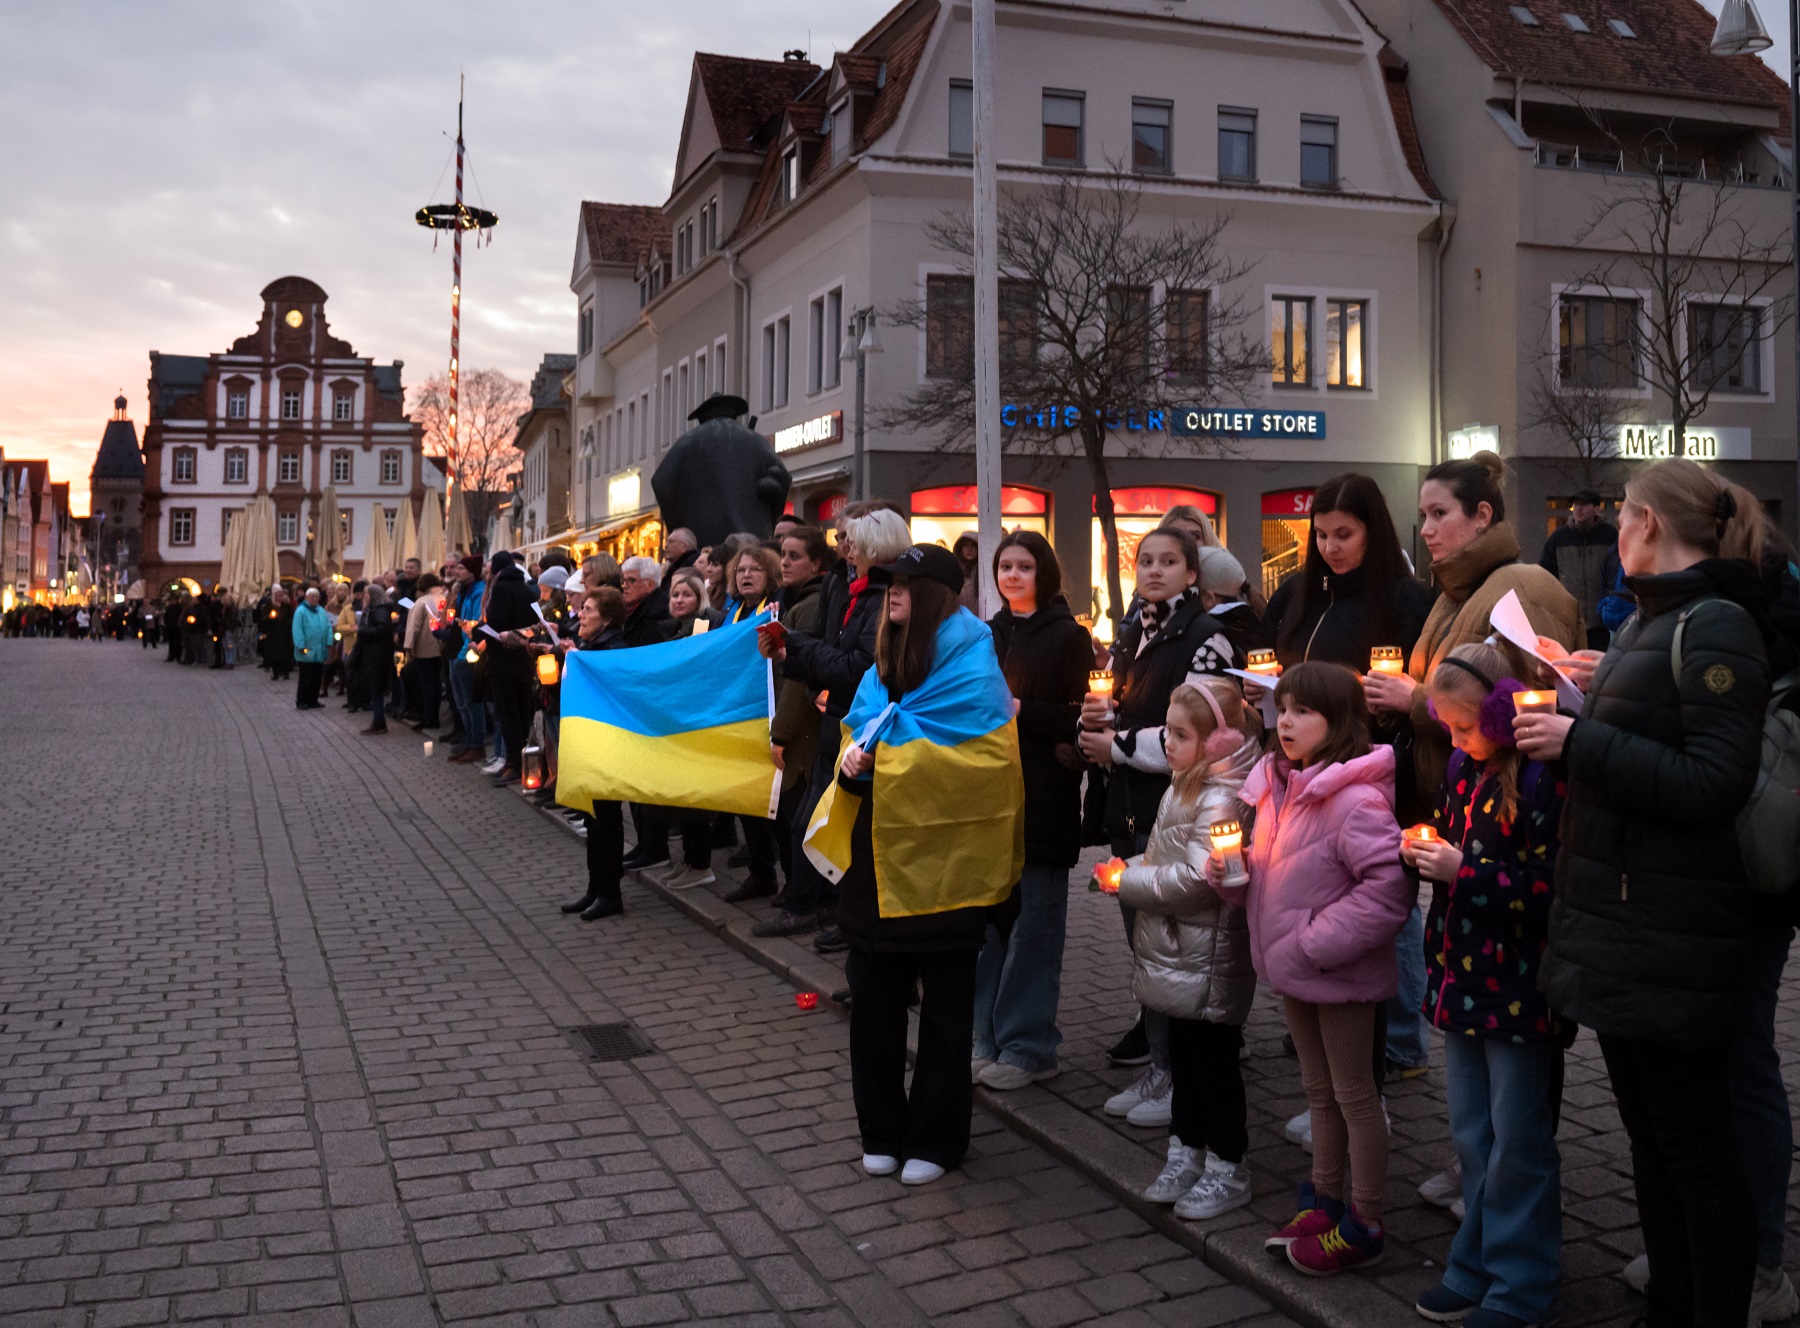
(598, 628)
(1650, 934)
(376, 635)
(1045, 655)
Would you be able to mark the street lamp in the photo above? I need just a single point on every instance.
(860, 342)
(1741, 32)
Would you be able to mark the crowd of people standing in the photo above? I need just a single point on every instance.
(1250, 771)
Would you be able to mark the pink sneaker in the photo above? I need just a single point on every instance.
(1315, 1217)
(1347, 1245)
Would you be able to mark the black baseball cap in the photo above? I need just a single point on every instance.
(932, 561)
(1585, 496)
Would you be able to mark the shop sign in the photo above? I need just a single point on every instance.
(625, 492)
(1288, 504)
(815, 432)
(1181, 421)
(1153, 501)
(1472, 438)
(1653, 442)
(961, 500)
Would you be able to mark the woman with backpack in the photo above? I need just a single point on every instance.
(1651, 932)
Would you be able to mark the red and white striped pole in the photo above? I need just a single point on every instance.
(455, 305)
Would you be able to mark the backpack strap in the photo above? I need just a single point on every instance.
(1681, 629)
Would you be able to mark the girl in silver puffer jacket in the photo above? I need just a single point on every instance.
(1191, 949)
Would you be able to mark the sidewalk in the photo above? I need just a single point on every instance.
(1064, 1116)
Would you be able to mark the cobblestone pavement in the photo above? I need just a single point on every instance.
(282, 1016)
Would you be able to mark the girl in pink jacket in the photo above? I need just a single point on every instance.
(1326, 898)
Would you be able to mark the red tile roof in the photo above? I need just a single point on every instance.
(1669, 55)
(623, 232)
(1393, 71)
(902, 64)
(745, 95)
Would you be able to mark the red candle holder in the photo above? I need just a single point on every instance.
(807, 1000)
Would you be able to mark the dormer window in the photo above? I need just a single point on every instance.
(1622, 28)
(1576, 22)
(842, 122)
(790, 174)
(1526, 18)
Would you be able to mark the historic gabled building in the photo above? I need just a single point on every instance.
(540, 514)
(286, 411)
(116, 503)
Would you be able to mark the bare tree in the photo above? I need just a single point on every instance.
(488, 407)
(1717, 280)
(1105, 325)
(1586, 420)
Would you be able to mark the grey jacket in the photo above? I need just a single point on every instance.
(1191, 949)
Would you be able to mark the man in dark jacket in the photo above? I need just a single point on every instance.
(508, 662)
(1576, 554)
(647, 619)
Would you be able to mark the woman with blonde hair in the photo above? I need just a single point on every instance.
(1654, 929)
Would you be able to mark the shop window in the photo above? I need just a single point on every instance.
(940, 515)
(825, 509)
(1137, 512)
(1286, 528)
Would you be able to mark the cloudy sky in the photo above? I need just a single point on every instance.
(164, 161)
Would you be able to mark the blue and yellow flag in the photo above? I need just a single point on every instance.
(681, 724)
(948, 823)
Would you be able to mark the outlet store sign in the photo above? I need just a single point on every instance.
(1179, 421)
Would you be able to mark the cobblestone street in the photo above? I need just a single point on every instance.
(282, 1041)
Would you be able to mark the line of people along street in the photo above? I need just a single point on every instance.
(1359, 794)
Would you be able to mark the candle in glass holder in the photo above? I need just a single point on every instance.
(1390, 660)
(471, 656)
(1421, 834)
(546, 670)
(1263, 662)
(429, 746)
(1107, 874)
(1228, 842)
(807, 1000)
(1100, 684)
(1534, 703)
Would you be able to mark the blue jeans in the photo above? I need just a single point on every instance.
(1018, 978)
(1405, 1025)
(1507, 1254)
(473, 712)
(1759, 1100)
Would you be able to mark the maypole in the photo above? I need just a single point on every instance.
(455, 219)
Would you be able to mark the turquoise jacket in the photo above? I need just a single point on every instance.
(312, 634)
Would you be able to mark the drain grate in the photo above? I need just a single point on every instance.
(610, 1042)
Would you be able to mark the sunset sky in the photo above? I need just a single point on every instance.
(165, 161)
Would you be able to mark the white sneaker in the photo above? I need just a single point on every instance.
(1458, 1209)
(977, 1064)
(1299, 1130)
(1121, 1102)
(1223, 1187)
(1183, 1171)
(1772, 1298)
(1157, 1109)
(1003, 1078)
(880, 1164)
(1441, 1189)
(918, 1171)
(686, 878)
(494, 766)
(1636, 1274)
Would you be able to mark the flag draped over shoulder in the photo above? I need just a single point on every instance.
(682, 724)
(948, 823)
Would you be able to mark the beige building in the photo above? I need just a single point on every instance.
(538, 515)
(1549, 127)
(803, 196)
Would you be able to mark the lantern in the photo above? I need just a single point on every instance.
(1228, 843)
(1264, 664)
(1390, 660)
(531, 766)
(1419, 835)
(547, 670)
(1534, 703)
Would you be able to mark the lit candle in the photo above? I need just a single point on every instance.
(429, 747)
(1421, 834)
(1534, 703)
(807, 1000)
(1107, 874)
(1265, 663)
(534, 780)
(1387, 659)
(546, 670)
(1100, 684)
(471, 656)
(1228, 842)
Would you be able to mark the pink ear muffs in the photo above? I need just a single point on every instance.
(1223, 740)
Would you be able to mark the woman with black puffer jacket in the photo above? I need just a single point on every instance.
(1651, 934)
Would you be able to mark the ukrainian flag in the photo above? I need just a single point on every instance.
(948, 823)
(680, 724)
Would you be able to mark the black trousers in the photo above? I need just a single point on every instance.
(932, 1121)
(807, 889)
(1207, 1110)
(759, 838)
(307, 691)
(512, 708)
(605, 849)
(1694, 1202)
(653, 823)
(787, 811)
(427, 679)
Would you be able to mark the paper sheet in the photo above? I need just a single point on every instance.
(490, 631)
(1508, 618)
(404, 602)
(1267, 684)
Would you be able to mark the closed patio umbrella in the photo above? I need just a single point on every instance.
(377, 548)
(328, 535)
(431, 531)
(457, 537)
(406, 534)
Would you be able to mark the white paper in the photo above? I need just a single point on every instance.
(1508, 618)
(1262, 680)
(490, 631)
(404, 602)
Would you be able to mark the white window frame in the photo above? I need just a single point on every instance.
(348, 457)
(239, 397)
(1320, 296)
(189, 454)
(287, 528)
(193, 523)
(391, 455)
(299, 402)
(242, 456)
(1553, 350)
(343, 406)
(824, 371)
(281, 467)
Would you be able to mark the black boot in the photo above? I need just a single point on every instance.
(586, 902)
(609, 906)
